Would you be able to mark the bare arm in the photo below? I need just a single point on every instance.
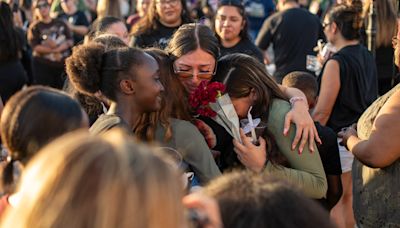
(79, 29)
(380, 150)
(43, 49)
(305, 128)
(330, 86)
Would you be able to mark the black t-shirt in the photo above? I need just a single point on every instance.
(329, 150)
(244, 46)
(294, 33)
(358, 85)
(154, 38)
(78, 18)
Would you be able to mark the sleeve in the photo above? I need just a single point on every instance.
(265, 35)
(195, 151)
(82, 19)
(306, 169)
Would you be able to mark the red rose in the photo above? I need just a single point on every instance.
(205, 94)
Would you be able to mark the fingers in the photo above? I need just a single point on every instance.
(239, 148)
(286, 126)
(316, 135)
(262, 142)
(297, 137)
(311, 141)
(303, 141)
(245, 140)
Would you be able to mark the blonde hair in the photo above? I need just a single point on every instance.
(386, 21)
(98, 181)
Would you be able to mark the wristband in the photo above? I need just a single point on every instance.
(295, 99)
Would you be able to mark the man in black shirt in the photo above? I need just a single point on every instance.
(294, 33)
(75, 19)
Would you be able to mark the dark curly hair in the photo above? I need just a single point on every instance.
(92, 68)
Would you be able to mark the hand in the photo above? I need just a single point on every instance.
(346, 133)
(62, 47)
(250, 155)
(305, 127)
(206, 207)
(50, 43)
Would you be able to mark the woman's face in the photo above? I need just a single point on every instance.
(148, 87)
(169, 12)
(242, 106)
(119, 29)
(193, 68)
(228, 23)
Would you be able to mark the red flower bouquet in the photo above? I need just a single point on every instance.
(205, 94)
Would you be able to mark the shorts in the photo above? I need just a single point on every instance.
(346, 158)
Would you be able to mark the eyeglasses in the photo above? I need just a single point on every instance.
(184, 74)
(41, 6)
(169, 2)
(324, 25)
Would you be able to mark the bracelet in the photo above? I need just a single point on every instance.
(295, 99)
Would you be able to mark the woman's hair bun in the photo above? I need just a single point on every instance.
(357, 7)
(84, 67)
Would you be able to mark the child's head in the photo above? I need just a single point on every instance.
(305, 82)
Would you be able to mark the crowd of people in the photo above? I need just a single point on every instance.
(200, 113)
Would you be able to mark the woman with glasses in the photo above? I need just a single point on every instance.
(51, 41)
(348, 85)
(161, 21)
(231, 28)
(194, 62)
(194, 51)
